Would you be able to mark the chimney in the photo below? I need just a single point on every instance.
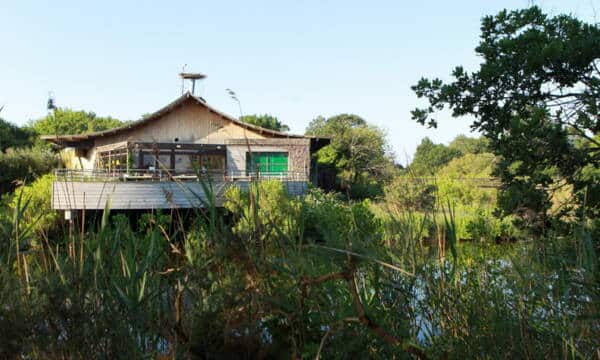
(191, 77)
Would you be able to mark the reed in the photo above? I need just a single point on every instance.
(272, 276)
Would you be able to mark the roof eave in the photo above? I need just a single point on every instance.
(164, 110)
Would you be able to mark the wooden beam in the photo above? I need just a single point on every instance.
(180, 146)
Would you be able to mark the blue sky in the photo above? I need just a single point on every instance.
(293, 59)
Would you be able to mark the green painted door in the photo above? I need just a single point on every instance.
(267, 162)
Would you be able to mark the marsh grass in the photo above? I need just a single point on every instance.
(310, 277)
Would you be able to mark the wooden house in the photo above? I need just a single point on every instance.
(165, 159)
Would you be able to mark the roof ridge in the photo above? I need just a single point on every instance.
(166, 109)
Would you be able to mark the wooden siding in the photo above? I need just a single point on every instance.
(73, 195)
(190, 123)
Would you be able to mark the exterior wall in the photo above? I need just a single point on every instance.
(193, 123)
(190, 123)
(298, 153)
(73, 195)
(72, 161)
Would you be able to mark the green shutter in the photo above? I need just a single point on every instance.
(267, 162)
(278, 163)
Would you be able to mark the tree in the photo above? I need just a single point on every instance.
(359, 151)
(12, 136)
(64, 121)
(462, 181)
(469, 145)
(535, 98)
(266, 121)
(430, 156)
(470, 165)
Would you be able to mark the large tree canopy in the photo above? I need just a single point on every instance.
(63, 121)
(266, 121)
(536, 98)
(357, 149)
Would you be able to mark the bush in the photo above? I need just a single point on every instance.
(365, 189)
(263, 212)
(407, 194)
(35, 204)
(327, 219)
(20, 165)
(481, 225)
(463, 181)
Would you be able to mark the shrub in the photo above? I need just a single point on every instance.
(463, 181)
(329, 220)
(365, 189)
(462, 192)
(481, 224)
(24, 165)
(38, 213)
(263, 212)
(407, 194)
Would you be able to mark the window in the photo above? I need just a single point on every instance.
(148, 160)
(209, 162)
(266, 162)
(164, 161)
(183, 161)
(112, 159)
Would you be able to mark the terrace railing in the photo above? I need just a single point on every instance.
(102, 175)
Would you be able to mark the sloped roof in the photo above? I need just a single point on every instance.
(165, 110)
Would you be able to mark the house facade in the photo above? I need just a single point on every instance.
(166, 160)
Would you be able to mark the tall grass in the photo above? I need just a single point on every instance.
(310, 277)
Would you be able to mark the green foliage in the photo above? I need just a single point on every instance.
(321, 126)
(466, 181)
(266, 205)
(358, 151)
(468, 145)
(429, 157)
(327, 219)
(470, 165)
(12, 136)
(332, 279)
(266, 121)
(38, 215)
(366, 188)
(24, 165)
(464, 184)
(66, 297)
(470, 194)
(64, 121)
(534, 98)
(481, 225)
(407, 194)
(589, 183)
